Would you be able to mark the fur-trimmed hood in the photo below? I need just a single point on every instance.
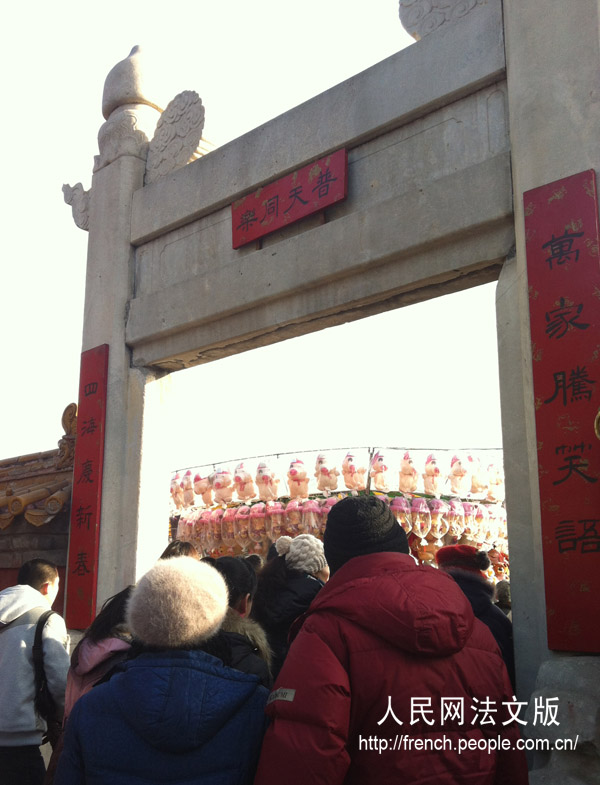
(250, 629)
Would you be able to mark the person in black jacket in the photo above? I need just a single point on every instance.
(287, 585)
(248, 649)
(466, 565)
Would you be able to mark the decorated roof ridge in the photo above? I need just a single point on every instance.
(33, 456)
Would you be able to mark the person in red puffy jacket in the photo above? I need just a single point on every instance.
(390, 677)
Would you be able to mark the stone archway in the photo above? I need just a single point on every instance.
(439, 138)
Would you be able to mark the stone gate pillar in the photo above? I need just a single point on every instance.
(552, 60)
(134, 443)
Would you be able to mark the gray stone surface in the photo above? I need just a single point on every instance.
(366, 257)
(573, 684)
(423, 17)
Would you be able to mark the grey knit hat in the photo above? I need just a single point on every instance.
(178, 603)
(304, 553)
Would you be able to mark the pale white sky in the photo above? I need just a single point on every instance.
(427, 375)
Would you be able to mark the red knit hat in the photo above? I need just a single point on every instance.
(464, 557)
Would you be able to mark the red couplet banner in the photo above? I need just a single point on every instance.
(285, 201)
(84, 538)
(561, 225)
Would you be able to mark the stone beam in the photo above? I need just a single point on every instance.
(459, 224)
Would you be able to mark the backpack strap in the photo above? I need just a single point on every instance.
(37, 651)
(29, 617)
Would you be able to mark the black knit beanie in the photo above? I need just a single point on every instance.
(358, 525)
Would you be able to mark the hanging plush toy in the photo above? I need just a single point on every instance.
(354, 477)
(408, 474)
(205, 532)
(293, 518)
(460, 482)
(327, 479)
(479, 476)
(223, 486)
(244, 487)
(378, 473)
(401, 509)
(187, 486)
(257, 528)
(203, 488)
(311, 517)
(324, 508)
(439, 522)
(274, 520)
(469, 535)
(228, 530)
(216, 518)
(456, 521)
(421, 519)
(297, 480)
(241, 526)
(177, 492)
(267, 483)
(496, 484)
(432, 479)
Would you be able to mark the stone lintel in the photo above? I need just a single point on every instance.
(417, 80)
(461, 224)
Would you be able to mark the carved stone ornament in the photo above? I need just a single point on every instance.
(126, 132)
(130, 111)
(177, 136)
(66, 446)
(80, 204)
(421, 17)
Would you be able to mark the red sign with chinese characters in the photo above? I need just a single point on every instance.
(301, 193)
(84, 539)
(561, 229)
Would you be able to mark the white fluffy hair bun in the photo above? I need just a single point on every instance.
(177, 603)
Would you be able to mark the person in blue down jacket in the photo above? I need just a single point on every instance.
(176, 714)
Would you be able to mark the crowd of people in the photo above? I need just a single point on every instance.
(307, 668)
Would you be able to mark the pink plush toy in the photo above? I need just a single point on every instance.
(327, 479)
(378, 472)
(266, 482)
(408, 474)
(228, 527)
(223, 486)
(203, 488)
(496, 491)
(297, 480)
(241, 526)
(439, 523)
(293, 518)
(177, 492)
(354, 478)
(244, 487)
(432, 479)
(460, 482)
(274, 520)
(401, 509)
(187, 487)
(311, 514)
(257, 529)
(479, 476)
